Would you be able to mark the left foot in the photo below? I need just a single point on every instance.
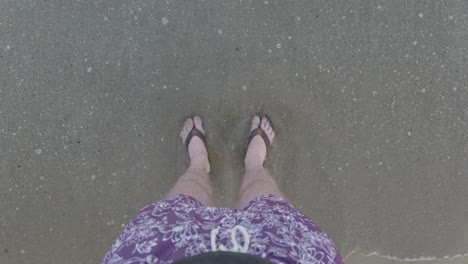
(196, 148)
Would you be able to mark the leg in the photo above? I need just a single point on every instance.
(257, 180)
(195, 181)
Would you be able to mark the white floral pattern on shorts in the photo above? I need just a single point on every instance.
(180, 226)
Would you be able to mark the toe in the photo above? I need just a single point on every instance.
(265, 123)
(198, 123)
(266, 126)
(188, 124)
(255, 123)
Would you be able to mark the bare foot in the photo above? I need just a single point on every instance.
(256, 152)
(196, 149)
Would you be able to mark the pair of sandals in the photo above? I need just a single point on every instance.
(194, 132)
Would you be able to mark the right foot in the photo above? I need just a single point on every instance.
(257, 150)
(196, 148)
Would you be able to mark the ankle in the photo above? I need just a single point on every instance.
(253, 165)
(254, 160)
(200, 163)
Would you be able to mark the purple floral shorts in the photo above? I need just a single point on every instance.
(180, 226)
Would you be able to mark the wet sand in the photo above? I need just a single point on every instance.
(369, 102)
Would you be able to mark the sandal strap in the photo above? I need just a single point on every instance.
(261, 132)
(195, 132)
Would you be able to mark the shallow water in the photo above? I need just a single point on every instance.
(369, 103)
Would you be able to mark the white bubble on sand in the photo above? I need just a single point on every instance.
(278, 45)
(7, 47)
(164, 21)
(409, 133)
(244, 87)
(220, 32)
(38, 151)
(90, 69)
(415, 42)
(93, 177)
(420, 15)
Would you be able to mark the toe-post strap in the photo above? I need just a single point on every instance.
(261, 132)
(194, 133)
